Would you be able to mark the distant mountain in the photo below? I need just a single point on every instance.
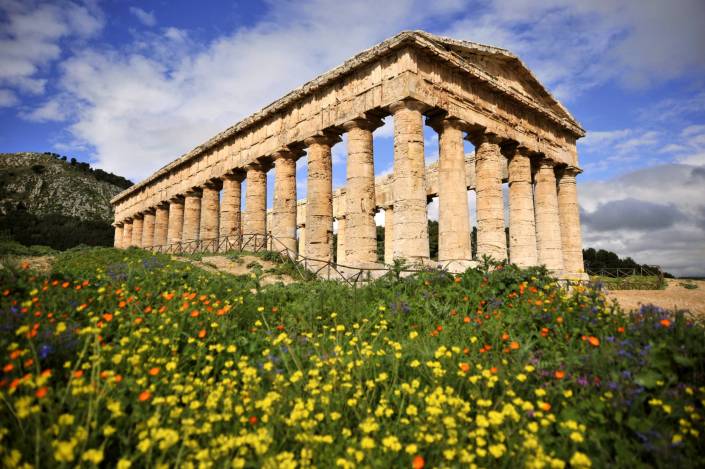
(56, 201)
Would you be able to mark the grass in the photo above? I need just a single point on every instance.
(128, 358)
(631, 282)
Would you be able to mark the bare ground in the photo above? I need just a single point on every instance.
(240, 267)
(674, 296)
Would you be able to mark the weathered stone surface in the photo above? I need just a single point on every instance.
(548, 227)
(319, 207)
(117, 243)
(161, 224)
(127, 234)
(148, 230)
(341, 255)
(453, 213)
(491, 240)
(210, 213)
(389, 235)
(137, 229)
(255, 216)
(360, 239)
(230, 217)
(302, 240)
(284, 211)
(569, 212)
(522, 227)
(410, 215)
(192, 215)
(176, 220)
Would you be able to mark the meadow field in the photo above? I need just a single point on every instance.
(127, 359)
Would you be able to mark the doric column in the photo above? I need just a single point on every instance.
(453, 212)
(176, 220)
(284, 210)
(192, 215)
(230, 206)
(319, 198)
(361, 232)
(210, 211)
(522, 227)
(137, 229)
(341, 253)
(389, 235)
(491, 240)
(569, 213)
(148, 229)
(548, 224)
(302, 240)
(118, 236)
(408, 184)
(161, 224)
(255, 217)
(126, 234)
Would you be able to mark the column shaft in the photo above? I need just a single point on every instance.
(255, 219)
(453, 212)
(569, 212)
(491, 240)
(408, 184)
(548, 224)
(175, 228)
(210, 211)
(192, 216)
(161, 225)
(148, 230)
(126, 235)
(389, 235)
(284, 210)
(341, 248)
(137, 229)
(360, 230)
(319, 200)
(522, 227)
(118, 236)
(230, 207)
(302, 240)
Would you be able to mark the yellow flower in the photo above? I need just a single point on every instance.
(413, 335)
(93, 455)
(411, 449)
(391, 442)
(63, 450)
(497, 450)
(367, 443)
(576, 437)
(66, 420)
(580, 460)
(412, 410)
(124, 464)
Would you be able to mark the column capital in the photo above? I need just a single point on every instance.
(365, 122)
(544, 162)
(177, 199)
(236, 174)
(408, 103)
(127, 220)
(138, 216)
(479, 137)
(570, 171)
(216, 184)
(286, 154)
(149, 211)
(118, 224)
(163, 204)
(194, 192)
(323, 138)
(257, 165)
(442, 121)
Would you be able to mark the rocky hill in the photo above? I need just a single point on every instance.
(44, 184)
(53, 200)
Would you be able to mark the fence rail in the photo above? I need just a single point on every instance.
(621, 278)
(255, 242)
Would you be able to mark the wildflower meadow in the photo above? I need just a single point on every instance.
(127, 359)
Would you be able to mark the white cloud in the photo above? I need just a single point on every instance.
(145, 17)
(7, 98)
(51, 111)
(574, 45)
(31, 35)
(142, 107)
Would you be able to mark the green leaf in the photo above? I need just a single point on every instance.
(648, 378)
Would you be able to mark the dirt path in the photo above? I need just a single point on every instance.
(674, 296)
(244, 265)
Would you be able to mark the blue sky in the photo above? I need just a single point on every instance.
(129, 86)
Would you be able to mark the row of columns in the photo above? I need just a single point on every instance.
(544, 225)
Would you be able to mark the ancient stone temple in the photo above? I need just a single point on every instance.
(521, 135)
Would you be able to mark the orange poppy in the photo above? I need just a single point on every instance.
(153, 371)
(465, 367)
(144, 396)
(514, 345)
(665, 322)
(78, 373)
(253, 420)
(201, 333)
(545, 406)
(594, 341)
(419, 462)
(108, 317)
(8, 368)
(559, 374)
(41, 392)
(195, 314)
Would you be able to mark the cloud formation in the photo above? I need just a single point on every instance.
(145, 17)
